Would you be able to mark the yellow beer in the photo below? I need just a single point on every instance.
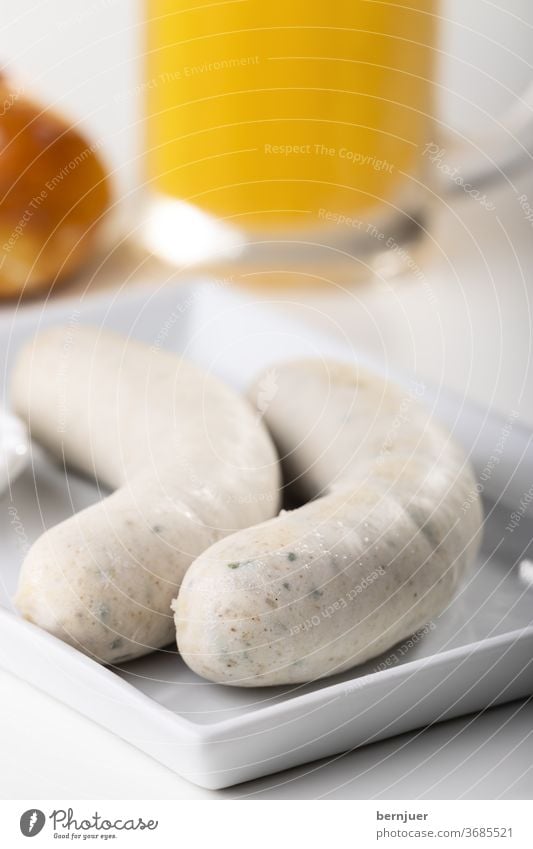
(273, 114)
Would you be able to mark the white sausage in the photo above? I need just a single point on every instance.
(189, 462)
(339, 580)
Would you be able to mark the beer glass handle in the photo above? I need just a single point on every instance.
(511, 144)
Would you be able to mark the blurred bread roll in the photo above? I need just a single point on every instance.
(54, 192)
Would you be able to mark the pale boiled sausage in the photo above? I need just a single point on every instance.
(378, 553)
(188, 460)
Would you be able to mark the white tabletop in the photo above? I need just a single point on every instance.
(51, 752)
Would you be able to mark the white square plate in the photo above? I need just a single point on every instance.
(477, 653)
